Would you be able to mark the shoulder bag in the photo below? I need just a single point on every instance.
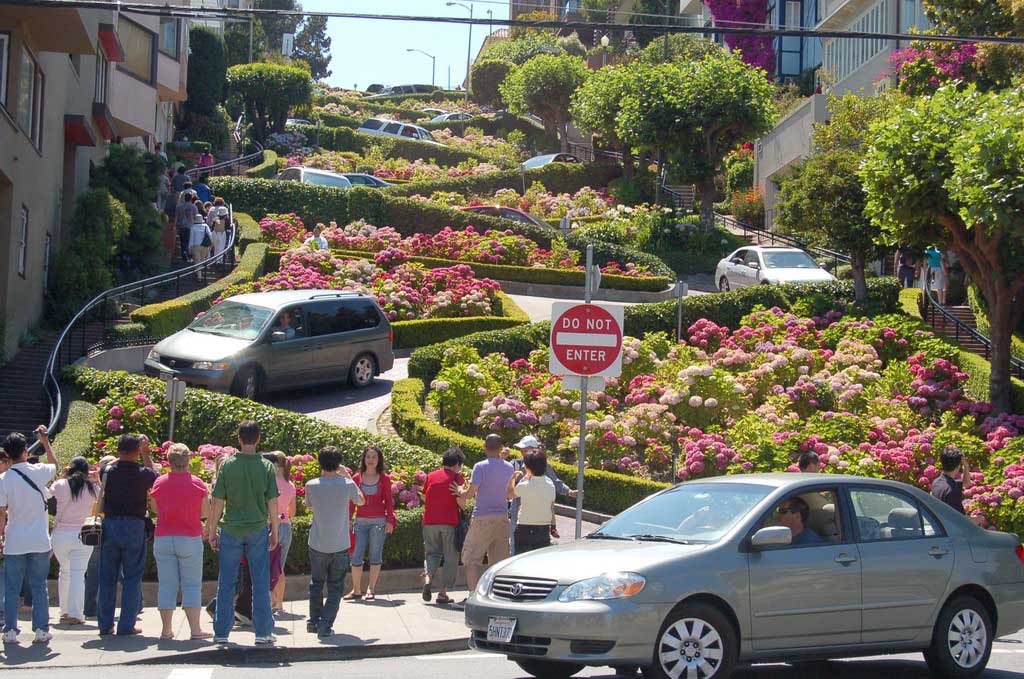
(91, 533)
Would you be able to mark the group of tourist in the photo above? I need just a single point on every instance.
(930, 271)
(200, 218)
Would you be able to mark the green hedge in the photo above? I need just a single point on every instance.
(500, 126)
(556, 177)
(426, 331)
(610, 252)
(336, 120)
(248, 231)
(265, 170)
(372, 107)
(726, 308)
(347, 139)
(259, 197)
(605, 492)
(166, 318)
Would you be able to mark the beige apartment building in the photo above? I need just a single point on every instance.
(849, 65)
(72, 81)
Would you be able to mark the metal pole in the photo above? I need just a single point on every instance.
(680, 294)
(469, 50)
(174, 405)
(584, 387)
(449, 77)
(433, 71)
(250, 38)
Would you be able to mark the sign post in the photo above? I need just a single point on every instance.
(175, 395)
(586, 341)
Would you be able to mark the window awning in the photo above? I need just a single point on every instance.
(77, 131)
(110, 43)
(104, 121)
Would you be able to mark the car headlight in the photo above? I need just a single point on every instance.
(209, 365)
(484, 586)
(153, 356)
(607, 586)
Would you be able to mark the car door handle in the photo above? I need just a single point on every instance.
(938, 552)
(845, 559)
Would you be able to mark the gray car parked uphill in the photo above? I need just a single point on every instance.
(708, 574)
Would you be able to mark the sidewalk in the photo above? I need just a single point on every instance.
(394, 624)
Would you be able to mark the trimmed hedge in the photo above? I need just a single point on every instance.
(610, 252)
(605, 492)
(166, 318)
(726, 308)
(500, 126)
(556, 177)
(347, 139)
(248, 231)
(265, 170)
(264, 196)
(374, 107)
(426, 331)
(336, 120)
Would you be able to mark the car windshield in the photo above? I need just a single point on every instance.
(688, 513)
(788, 260)
(327, 180)
(233, 319)
(426, 135)
(537, 162)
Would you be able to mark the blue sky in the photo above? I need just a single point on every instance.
(365, 52)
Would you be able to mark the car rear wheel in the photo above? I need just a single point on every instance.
(697, 642)
(723, 284)
(361, 373)
(548, 669)
(248, 383)
(962, 640)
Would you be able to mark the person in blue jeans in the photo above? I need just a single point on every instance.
(245, 495)
(125, 493)
(92, 571)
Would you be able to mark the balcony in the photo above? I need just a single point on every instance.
(839, 13)
(790, 140)
(171, 76)
(133, 105)
(55, 29)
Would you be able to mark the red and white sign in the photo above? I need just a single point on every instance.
(586, 339)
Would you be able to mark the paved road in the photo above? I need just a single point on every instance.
(1006, 664)
(539, 308)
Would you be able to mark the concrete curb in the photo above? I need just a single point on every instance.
(249, 655)
(576, 292)
(588, 516)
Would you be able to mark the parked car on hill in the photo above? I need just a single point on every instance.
(298, 121)
(547, 159)
(258, 342)
(717, 572)
(764, 264)
(512, 213)
(312, 175)
(392, 128)
(404, 89)
(362, 179)
(451, 117)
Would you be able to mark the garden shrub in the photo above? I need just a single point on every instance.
(556, 178)
(347, 139)
(248, 231)
(265, 170)
(259, 197)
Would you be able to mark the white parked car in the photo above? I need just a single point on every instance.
(392, 128)
(451, 117)
(760, 264)
(311, 175)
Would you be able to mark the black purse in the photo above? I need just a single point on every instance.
(461, 530)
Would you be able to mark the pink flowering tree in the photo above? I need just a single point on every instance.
(756, 49)
(924, 67)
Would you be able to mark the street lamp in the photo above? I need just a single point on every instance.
(490, 21)
(469, 45)
(604, 50)
(433, 62)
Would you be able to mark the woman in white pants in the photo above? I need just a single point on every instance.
(198, 235)
(75, 494)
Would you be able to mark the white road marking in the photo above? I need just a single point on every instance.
(191, 673)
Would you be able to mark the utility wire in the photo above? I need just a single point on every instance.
(773, 31)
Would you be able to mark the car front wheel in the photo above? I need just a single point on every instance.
(547, 669)
(962, 640)
(248, 383)
(697, 641)
(723, 284)
(362, 371)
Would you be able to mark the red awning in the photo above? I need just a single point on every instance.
(111, 43)
(104, 121)
(77, 131)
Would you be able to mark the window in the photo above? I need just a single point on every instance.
(169, 40)
(23, 242)
(823, 523)
(844, 56)
(750, 257)
(912, 16)
(364, 314)
(5, 58)
(295, 325)
(793, 13)
(372, 124)
(139, 49)
(410, 132)
(330, 318)
(102, 76)
(889, 515)
(393, 128)
(46, 261)
(30, 97)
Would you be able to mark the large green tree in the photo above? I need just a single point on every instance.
(207, 68)
(313, 45)
(597, 104)
(276, 25)
(698, 112)
(544, 86)
(270, 91)
(488, 75)
(946, 169)
(236, 42)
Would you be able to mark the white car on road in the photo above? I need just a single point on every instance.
(761, 264)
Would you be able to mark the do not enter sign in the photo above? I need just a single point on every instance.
(586, 339)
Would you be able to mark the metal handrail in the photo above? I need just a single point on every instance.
(254, 158)
(931, 309)
(821, 253)
(588, 153)
(51, 379)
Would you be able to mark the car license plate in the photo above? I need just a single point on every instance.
(499, 630)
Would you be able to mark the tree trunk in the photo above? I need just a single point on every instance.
(1000, 318)
(707, 203)
(627, 161)
(860, 283)
(563, 130)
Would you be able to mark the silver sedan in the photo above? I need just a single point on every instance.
(710, 574)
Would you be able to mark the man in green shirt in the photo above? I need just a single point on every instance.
(245, 496)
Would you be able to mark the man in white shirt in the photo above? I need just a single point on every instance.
(24, 526)
(316, 241)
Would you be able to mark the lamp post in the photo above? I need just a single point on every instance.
(433, 62)
(490, 21)
(469, 45)
(604, 50)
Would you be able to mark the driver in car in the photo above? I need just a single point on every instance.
(284, 324)
(793, 514)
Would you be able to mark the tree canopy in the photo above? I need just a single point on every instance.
(544, 86)
(269, 91)
(488, 75)
(313, 45)
(207, 68)
(521, 50)
(945, 169)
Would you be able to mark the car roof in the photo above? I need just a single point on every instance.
(276, 299)
(316, 170)
(795, 481)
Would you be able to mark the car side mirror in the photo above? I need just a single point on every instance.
(771, 536)
(278, 336)
(754, 265)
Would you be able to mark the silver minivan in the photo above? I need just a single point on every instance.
(258, 342)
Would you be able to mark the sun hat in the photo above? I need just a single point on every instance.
(528, 442)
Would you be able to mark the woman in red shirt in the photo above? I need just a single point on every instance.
(180, 501)
(440, 519)
(374, 521)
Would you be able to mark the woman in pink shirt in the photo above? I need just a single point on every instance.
(180, 501)
(286, 505)
(75, 494)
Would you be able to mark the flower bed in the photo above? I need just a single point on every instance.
(390, 169)
(537, 201)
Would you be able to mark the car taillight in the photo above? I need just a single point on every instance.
(391, 336)
(1020, 553)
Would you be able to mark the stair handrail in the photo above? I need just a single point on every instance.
(249, 160)
(930, 308)
(51, 378)
(819, 252)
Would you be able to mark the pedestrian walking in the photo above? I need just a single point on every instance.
(202, 189)
(938, 265)
(124, 493)
(184, 217)
(286, 506)
(375, 520)
(206, 159)
(245, 496)
(179, 499)
(76, 496)
(24, 527)
(906, 267)
(199, 241)
(536, 495)
(5, 464)
(440, 519)
(179, 180)
(489, 526)
(329, 499)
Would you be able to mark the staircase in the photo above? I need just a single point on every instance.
(682, 196)
(948, 329)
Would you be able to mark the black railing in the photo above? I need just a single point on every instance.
(73, 343)
(774, 238)
(934, 313)
(589, 154)
(230, 167)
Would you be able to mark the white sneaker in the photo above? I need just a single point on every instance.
(11, 636)
(42, 637)
(268, 640)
